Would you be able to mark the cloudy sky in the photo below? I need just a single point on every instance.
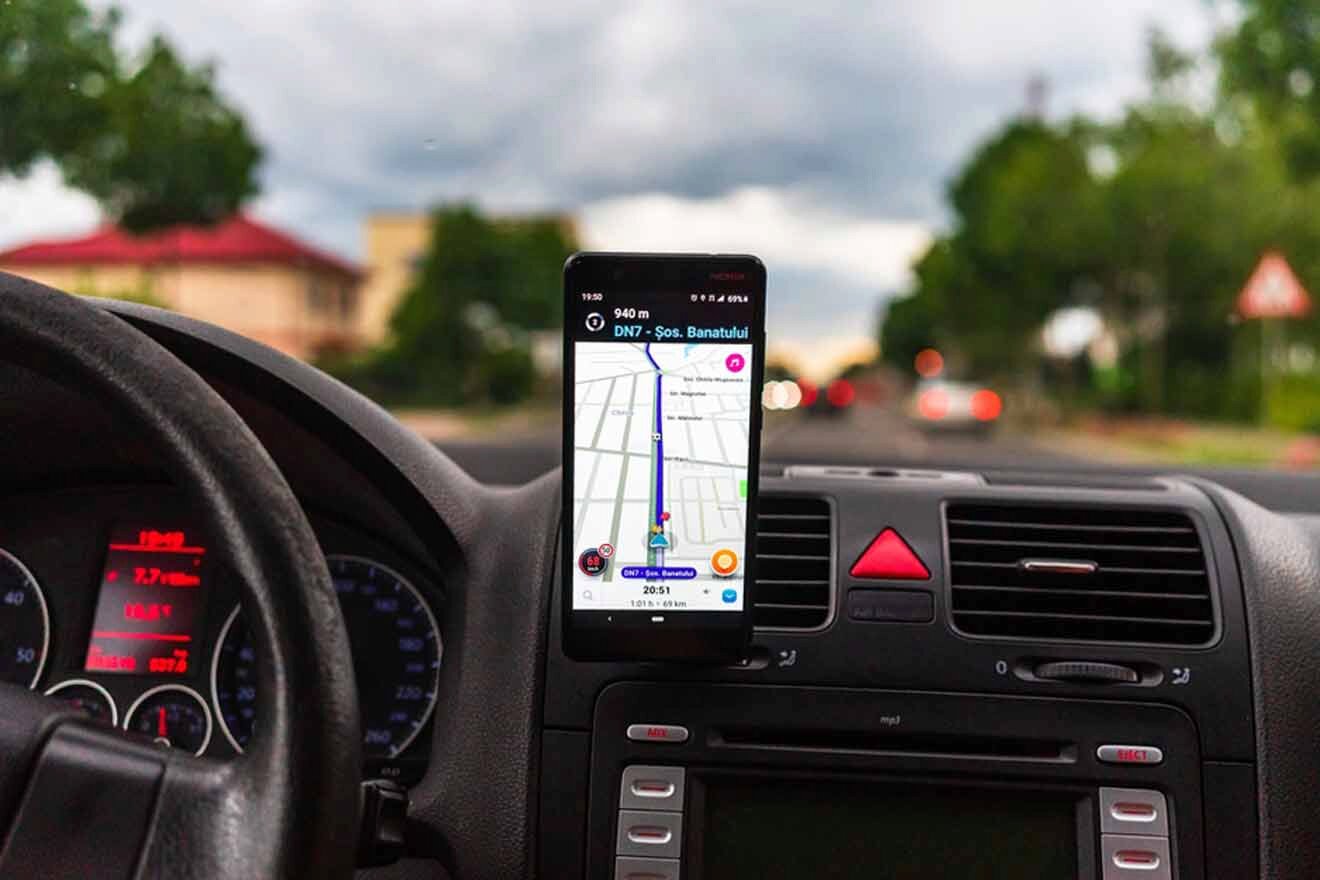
(817, 134)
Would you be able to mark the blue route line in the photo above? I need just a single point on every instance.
(659, 444)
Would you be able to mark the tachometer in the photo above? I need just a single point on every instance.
(24, 624)
(396, 659)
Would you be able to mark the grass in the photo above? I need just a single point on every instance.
(1170, 441)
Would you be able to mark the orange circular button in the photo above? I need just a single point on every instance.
(724, 562)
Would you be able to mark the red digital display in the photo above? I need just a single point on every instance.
(152, 597)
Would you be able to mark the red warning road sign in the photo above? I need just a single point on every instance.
(1273, 291)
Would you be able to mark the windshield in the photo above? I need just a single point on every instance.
(1010, 235)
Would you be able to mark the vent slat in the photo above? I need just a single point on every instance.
(794, 563)
(1150, 584)
(1057, 545)
(1188, 597)
(1035, 615)
(1072, 527)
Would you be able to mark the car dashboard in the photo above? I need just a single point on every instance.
(988, 674)
(178, 668)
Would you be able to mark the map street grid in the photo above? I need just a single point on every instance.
(661, 473)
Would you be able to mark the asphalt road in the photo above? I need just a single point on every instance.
(880, 439)
(877, 437)
(869, 437)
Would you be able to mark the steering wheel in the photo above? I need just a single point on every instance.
(78, 800)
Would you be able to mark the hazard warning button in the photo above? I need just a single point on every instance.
(890, 558)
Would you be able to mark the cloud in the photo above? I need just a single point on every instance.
(390, 103)
(819, 134)
(826, 266)
(40, 205)
(784, 229)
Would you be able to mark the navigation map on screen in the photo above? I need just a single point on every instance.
(660, 471)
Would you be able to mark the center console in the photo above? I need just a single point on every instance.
(737, 782)
(901, 747)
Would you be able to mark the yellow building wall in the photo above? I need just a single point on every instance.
(301, 311)
(394, 243)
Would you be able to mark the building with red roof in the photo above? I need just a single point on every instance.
(240, 274)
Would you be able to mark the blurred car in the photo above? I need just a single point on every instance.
(941, 405)
(831, 400)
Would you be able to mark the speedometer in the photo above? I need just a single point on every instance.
(396, 659)
(24, 624)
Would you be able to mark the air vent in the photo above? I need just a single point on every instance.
(1079, 573)
(793, 549)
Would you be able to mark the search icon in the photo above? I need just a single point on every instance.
(586, 594)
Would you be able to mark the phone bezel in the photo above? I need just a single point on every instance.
(690, 636)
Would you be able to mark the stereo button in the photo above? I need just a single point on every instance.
(659, 733)
(1127, 857)
(643, 833)
(1130, 755)
(652, 788)
(1133, 811)
(636, 868)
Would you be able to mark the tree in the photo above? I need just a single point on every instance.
(460, 334)
(1270, 62)
(1154, 220)
(1024, 231)
(149, 137)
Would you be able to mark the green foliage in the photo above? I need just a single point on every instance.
(460, 334)
(1293, 402)
(1154, 220)
(149, 137)
(1026, 230)
(909, 326)
(1271, 63)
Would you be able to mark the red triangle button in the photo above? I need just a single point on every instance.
(889, 557)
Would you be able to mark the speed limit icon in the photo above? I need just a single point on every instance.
(591, 562)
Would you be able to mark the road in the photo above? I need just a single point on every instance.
(866, 436)
(876, 438)
(879, 437)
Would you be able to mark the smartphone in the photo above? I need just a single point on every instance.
(663, 362)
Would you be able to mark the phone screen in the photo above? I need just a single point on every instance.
(663, 364)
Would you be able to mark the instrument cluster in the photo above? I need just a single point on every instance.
(130, 618)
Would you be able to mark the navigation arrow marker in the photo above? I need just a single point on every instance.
(659, 542)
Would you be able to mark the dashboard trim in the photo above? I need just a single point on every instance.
(45, 616)
(87, 682)
(215, 669)
(417, 594)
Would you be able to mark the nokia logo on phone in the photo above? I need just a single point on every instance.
(728, 276)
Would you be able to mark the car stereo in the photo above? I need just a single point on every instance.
(725, 782)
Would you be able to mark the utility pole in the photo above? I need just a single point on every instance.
(1038, 93)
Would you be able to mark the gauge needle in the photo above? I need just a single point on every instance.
(161, 729)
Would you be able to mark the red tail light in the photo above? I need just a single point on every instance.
(986, 405)
(840, 394)
(933, 404)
